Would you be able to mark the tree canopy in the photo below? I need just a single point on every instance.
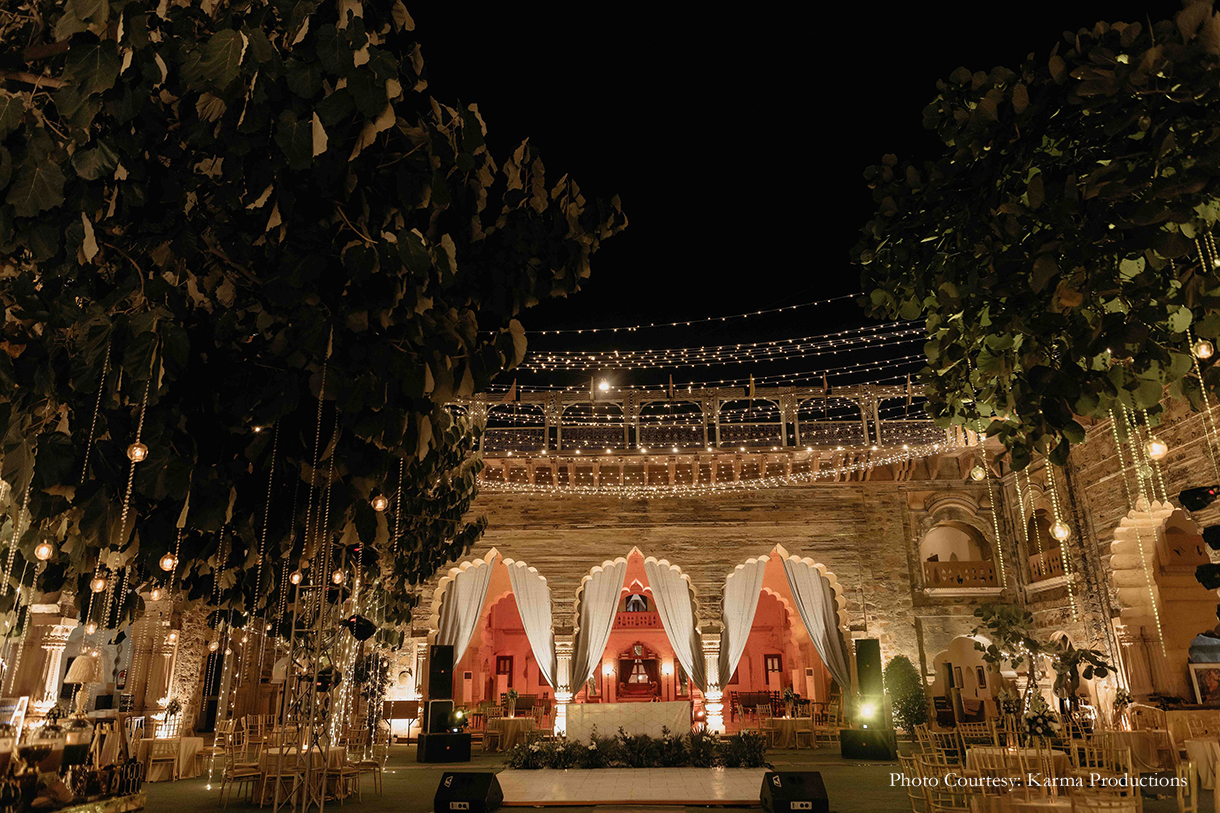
(245, 235)
(1060, 246)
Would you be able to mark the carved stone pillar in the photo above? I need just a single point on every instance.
(564, 691)
(713, 695)
(54, 642)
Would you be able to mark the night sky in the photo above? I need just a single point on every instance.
(736, 141)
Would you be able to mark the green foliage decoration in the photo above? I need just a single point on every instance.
(1054, 246)
(908, 699)
(230, 211)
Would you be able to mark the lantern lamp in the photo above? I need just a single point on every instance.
(380, 503)
(978, 472)
(295, 577)
(98, 584)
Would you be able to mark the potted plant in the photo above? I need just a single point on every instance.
(510, 702)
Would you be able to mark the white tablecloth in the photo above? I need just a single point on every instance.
(188, 751)
(1150, 749)
(1060, 764)
(634, 718)
(1205, 753)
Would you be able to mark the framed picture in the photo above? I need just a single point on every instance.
(957, 677)
(1206, 680)
(981, 676)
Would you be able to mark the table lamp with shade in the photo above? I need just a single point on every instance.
(82, 671)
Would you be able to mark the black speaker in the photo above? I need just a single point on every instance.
(442, 748)
(476, 792)
(794, 790)
(440, 672)
(868, 667)
(871, 743)
(437, 716)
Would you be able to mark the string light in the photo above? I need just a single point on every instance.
(168, 562)
(137, 452)
(380, 503)
(1156, 448)
(44, 551)
(1203, 349)
(690, 322)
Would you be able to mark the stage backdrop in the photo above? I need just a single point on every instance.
(634, 718)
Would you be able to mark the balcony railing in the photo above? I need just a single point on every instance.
(959, 574)
(639, 621)
(1045, 565)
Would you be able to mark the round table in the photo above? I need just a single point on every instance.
(786, 728)
(512, 730)
(1147, 752)
(1060, 764)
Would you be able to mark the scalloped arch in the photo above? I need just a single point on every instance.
(438, 595)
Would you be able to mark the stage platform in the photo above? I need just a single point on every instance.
(632, 786)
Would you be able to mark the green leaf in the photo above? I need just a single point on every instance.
(93, 68)
(36, 188)
(295, 138)
(220, 61)
(6, 167)
(12, 109)
(95, 162)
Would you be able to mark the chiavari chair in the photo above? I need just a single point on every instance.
(237, 773)
(1188, 787)
(914, 792)
(948, 744)
(978, 733)
(939, 797)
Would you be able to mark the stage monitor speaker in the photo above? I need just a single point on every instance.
(442, 748)
(868, 667)
(793, 790)
(476, 792)
(440, 672)
(437, 716)
(870, 743)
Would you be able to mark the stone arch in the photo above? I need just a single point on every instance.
(954, 545)
(962, 656)
(1155, 549)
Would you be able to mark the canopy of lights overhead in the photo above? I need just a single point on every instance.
(620, 411)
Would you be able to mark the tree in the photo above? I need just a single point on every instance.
(906, 691)
(245, 235)
(1060, 247)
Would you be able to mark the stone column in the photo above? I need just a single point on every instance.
(564, 691)
(713, 694)
(54, 642)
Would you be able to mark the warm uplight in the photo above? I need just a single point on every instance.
(1060, 531)
(1156, 448)
(1204, 349)
(137, 452)
(868, 711)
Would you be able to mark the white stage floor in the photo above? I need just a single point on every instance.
(642, 786)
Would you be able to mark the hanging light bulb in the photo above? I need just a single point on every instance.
(1156, 448)
(172, 637)
(337, 577)
(603, 385)
(44, 551)
(978, 472)
(90, 628)
(213, 646)
(137, 452)
(380, 503)
(1203, 349)
(168, 562)
(295, 577)
(268, 628)
(245, 638)
(1061, 531)
(98, 584)
(94, 653)
(228, 651)
(156, 594)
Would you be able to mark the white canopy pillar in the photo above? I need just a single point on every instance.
(713, 693)
(564, 690)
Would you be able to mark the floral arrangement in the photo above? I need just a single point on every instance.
(1009, 703)
(1040, 721)
(698, 750)
(790, 696)
(511, 695)
(173, 708)
(1122, 699)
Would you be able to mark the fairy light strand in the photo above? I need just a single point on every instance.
(690, 322)
(1063, 543)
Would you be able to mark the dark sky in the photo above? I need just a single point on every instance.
(736, 139)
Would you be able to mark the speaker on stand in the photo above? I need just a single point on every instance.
(436, 743)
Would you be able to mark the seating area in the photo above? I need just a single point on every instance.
(1086, 766)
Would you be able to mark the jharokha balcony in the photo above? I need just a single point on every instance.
(960, 578)
(1045, 569)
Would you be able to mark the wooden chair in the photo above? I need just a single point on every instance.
(237, 774)
(745, 722)
(923, 738)
(915, 793)
(949, 745)
(978, 734)
(1105, 803)
(766, 726)
(833, 725)
(939, 797)
(1188, 787)
(492, 733)
(1090, 757)
(163, 752)
(279, 773)
(346, 777)
(994, 762)
(375, 764)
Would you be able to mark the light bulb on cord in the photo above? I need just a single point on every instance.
(1156, 448)
(978, 472)
(137, 452)
(172, 637)
(1203, 349)
(98, 584)
(156, 594)
(1060, 530)
(44, 551)
(245, 638)
(168, 562)
(337, 577)
(90, 628)
(213, 646)
(603, 385)
(380, 503)
(295, 577)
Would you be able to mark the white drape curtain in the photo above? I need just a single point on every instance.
(741, 591)
(599, 595)
(534, 603)
(676, 606)
(816, 602)
(462, 604)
